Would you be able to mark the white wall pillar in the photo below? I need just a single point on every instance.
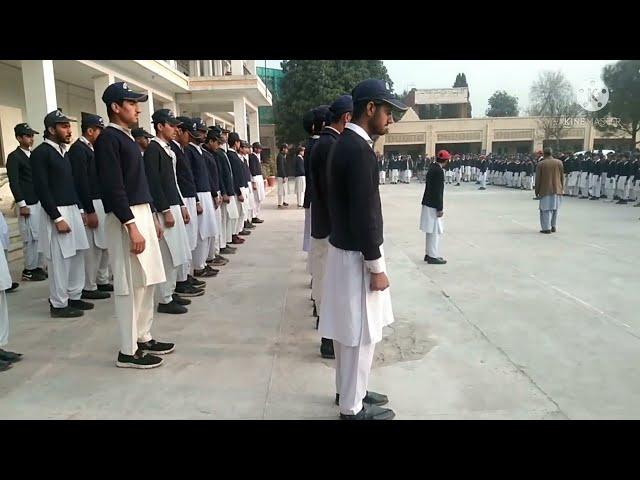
(240, 117)
(194, 68)
(254, 127)
(100, 84)
(217, 67)
(39, 92)
(146, 110)
(236, 67)
(251, 65)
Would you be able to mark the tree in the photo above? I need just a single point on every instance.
(501, 104)
(623, 81)
(309, 83)
(553, 100)
(461, 81)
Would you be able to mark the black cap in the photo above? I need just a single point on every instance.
(164, 115)
(256, 145)
(140, 132)
(24, 129)
(214, 134)
(343, 104)
(225, 130)
(233, 138)
(244, 144)
(91, 120)
(119, 91)
(56, 117)
(284, 145)
(200, 125)
(375, 90)
(187, 124)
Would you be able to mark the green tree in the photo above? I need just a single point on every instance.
(501, 104)
(461, 81)
(309, 83)
(623, 81)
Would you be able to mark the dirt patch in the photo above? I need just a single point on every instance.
(404, 343)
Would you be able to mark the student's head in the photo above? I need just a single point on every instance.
(91, 126)
(340, 112)
(122, 103)
(256, 147)
(213, 139)
(142, 137)
(284, 148)
(24, 135)
(234, 141)
(300, 150)
(165, 124)
(373, 106)
(58, 127)
(547, 152)
(319, 118)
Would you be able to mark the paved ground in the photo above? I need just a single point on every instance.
(517, 325)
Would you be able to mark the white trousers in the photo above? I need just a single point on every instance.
(218, 241)
(201, 252)
(382, 177)
(627, 188)
(135, 316)
(257, 208)
(610, 189)
(301, 185)
(353, 365)
(66, 276)
(622, 182)
(4, 319)
(282, 190)
(164, 291)
(230, 223)
(596, 185)
(433, 244)
(395, 173)
(96, 265)
(32, 259)
(318, 259)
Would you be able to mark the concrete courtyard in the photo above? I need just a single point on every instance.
(518, 325)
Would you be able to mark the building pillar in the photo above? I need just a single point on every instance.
(146, 110)
(251, 65)
(194, 68)
(100, 84)
(240, 117)
(39, 92)
(217, 67)
(589, 136)
(237, 67)
(254, 127)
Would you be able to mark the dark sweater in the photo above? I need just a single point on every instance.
(237, 170)
(354, 200)
(85, 177)
(184, 173)
(306, 169)
(199, 168)
(53, 179)
(121, 172)
(299, 166)
(226, 176)
(162, 181)
(20, 177)
(212, 168)
(281, 166)
(318, 160)
(254, 165)
(434, 187)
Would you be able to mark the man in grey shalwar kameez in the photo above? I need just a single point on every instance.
(549, 188)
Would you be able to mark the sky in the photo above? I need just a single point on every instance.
(483, 76)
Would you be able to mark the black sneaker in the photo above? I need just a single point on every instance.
(172, 307)
(10, 357)
(257, 220)
(181, 301)
(326, 349)
(228, 250)
(204, 273)
(157, 348)
(371, 398)
(434, 261)
(13, 286)
(214, 270)
(95, 295)
(33, 276)
(194, 282)
(553, 230)
(80, 305)
(5, 365)
(65, 312)
(187, 290)
(371, 412)
(249, 226)
(245, 233)
(107, 287)
(139, 360)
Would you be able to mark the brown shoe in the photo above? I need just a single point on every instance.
(236, 240)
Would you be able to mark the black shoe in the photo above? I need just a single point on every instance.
(315, 310)
(156, 348)
(545, 231)
(553, 229)
(285, 204)
(326, 349)
(204, 273)
(172, 307)
(139, 360)
(209, 260)
(181, 301)
(371, 398)
(5, 365)
(482, 188)
(185, 289)
(10, 357)
(622, 202)
(248, 226)
(33, 276)
(65, 312)
(13, 286)
(220, 257)
(458, 184)
(218, 262)
(107, 287)
(228, 250)
(434, 261)
(214, 270)
(194, 282)
(594, 198)
(256, 220)
(95, 295)
(245, 233)
(371, 412)
(80, 305)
